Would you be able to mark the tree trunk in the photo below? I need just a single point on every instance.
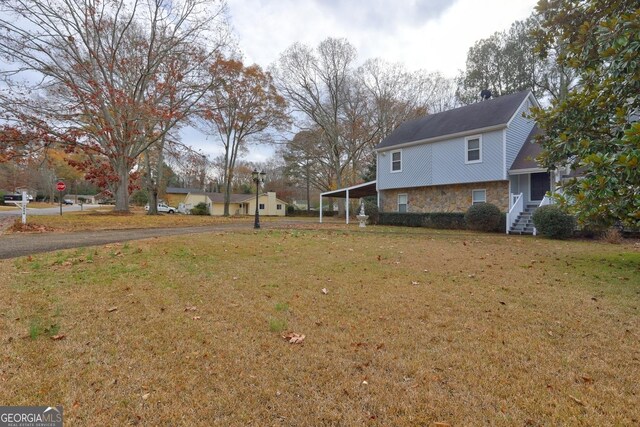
(122, 190)
(151, 187)
(227, 197)
(308, 188)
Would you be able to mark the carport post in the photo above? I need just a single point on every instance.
(321, 209)
(347, 203)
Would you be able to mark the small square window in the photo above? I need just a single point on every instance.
(261, 206)
(278, 207)
(478, 196)
(473, 149)
(396, 161)
(403, 203)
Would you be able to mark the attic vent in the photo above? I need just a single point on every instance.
(485, 94)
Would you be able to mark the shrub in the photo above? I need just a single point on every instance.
(200, 209)
(291, 210)
(440, 220)
(483, 217)
(371, 209)
(612, 235)
(551, 221)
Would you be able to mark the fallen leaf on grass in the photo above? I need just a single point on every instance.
(587, 379)
(413, 282)
(325, 291)
(196, 317)
(58, 337)
(190, 308)
(578, 401)
(294, 338)
(146, 396)
(112, 309)
(441, 424)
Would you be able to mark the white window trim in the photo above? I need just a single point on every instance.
(406, 204)
(485, 195)
(466, 149)
(391, 159)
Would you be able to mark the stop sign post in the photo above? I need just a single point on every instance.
(60, 186)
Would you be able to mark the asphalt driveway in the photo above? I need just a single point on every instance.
(16, 245)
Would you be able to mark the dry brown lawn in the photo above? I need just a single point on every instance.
(417, 327)
(106, 219)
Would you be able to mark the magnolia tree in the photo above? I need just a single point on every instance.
(595, 129)
(112, 77)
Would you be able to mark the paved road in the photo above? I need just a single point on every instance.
(15, 245)
(49, 211)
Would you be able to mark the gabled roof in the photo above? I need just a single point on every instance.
(234, 198)
(176, 190)
(526, 158)
(219, 197)
(481, 115)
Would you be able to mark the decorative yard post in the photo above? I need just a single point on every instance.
(258, 178)
(362, 218)
(23, 207)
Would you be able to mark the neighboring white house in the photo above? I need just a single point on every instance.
(240, 204)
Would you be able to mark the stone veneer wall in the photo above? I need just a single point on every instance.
(446, 198)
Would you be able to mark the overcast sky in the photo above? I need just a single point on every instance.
(434, 35)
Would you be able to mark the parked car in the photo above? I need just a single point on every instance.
(163, 208)
(67, 202)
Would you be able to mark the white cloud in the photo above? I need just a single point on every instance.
(422, 34)
(430, 34)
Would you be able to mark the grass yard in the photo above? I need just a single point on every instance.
(417, 327)
(106, 219)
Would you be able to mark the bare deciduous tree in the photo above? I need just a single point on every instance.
(239, 110)
(99, 74)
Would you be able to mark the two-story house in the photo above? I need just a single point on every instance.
(479, 153)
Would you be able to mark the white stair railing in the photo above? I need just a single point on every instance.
(546, 200)
(517, 207)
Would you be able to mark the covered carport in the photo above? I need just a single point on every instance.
(354, 192)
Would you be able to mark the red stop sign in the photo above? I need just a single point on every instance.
(60, 186)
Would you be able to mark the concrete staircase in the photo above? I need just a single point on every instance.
(523, 223)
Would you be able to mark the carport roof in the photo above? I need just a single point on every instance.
(356, 191)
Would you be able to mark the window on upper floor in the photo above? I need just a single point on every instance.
(473, 149)
(403, 203)
(261, 206)
(396, 161)
(478, 196)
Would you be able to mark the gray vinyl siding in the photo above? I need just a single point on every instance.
(416, 168)
(517, 133)
(443, 162)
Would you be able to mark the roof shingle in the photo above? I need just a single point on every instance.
(494, 112)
